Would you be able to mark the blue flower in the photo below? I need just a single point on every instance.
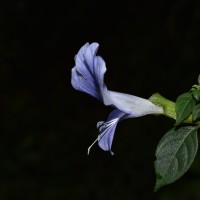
(88, 76)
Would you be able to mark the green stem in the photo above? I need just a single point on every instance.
(167, 105)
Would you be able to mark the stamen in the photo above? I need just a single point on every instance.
(100, 123)
(88, 152)
(102, 126)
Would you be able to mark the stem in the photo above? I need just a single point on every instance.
(167, 105)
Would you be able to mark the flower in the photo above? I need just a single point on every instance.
(88, 76)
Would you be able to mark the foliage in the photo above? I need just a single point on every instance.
(177, 149)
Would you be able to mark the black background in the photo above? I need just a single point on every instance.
(47, 126)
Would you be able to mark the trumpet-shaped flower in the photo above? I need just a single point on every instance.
(88, 76)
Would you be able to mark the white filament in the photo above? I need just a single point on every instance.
(105, 125)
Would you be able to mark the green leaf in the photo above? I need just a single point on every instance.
(175, 154)
(199, 79)
(184, 106)
(196, 94)
(196, 112)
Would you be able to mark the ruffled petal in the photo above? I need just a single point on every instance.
(107, 129)
(88, 72)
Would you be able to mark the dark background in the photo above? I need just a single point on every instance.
(47, 126)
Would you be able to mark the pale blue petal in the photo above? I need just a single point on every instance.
(88, 72)
(85, 85)
(84, 60)
(107, 129)
(88, 77)
(130, 104)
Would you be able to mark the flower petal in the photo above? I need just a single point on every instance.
(107, 129)
(130, 104)
(88, 72)
(88, 76)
